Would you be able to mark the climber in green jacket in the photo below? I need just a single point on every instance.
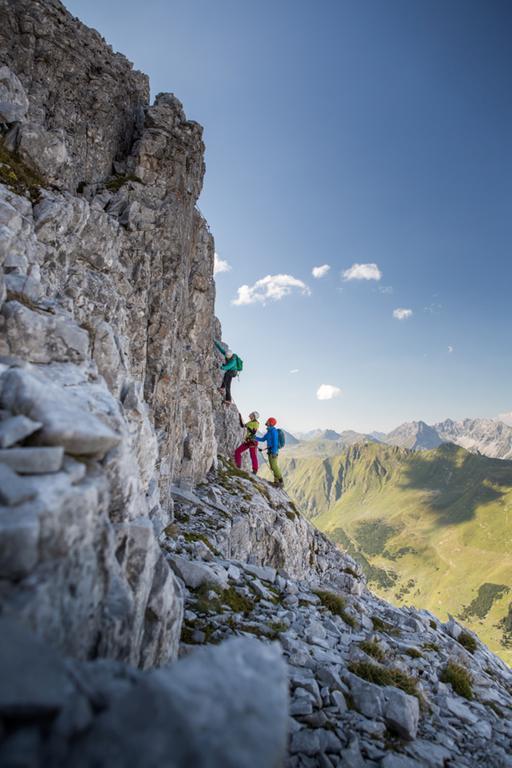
(232, 366)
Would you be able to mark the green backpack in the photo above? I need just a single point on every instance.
(239, 364)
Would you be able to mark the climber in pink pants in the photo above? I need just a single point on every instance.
(249, 443)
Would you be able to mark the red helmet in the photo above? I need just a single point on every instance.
(271, 422)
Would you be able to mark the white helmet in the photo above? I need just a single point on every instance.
(254, 415)
(228, 353)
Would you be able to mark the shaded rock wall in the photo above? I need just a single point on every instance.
(106, 331)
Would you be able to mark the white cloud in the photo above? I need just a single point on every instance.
(386, 289)
(434, 308)
(362, 272)
(220, 265)
(294, 370)
(450, 348)
(506, 417)
(271, 288)
(401, 313)
(320, 271)
(327, 392)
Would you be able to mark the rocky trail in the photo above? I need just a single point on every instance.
(159, 607)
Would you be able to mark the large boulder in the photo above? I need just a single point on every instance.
(220, 707)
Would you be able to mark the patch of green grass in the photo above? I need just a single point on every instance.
(237, 602)
(205, 602)
(433, 624)
(17, 176)
(430, 647)
(405, 589)
(468, 641)
(372, 648)
(336, 604)
(379, 675)
(374, 574)
(230, 470)
(372, 536)
(414, 653)
(277, 627)
(115, 184)
(380, 625)
(459, 678)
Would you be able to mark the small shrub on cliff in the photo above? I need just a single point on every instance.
(382, 626)
(468, 641)
(379, 675)
(17, 176)
(372, 648)
(459, 678)
(414, 653)
(336, 604)
(118, 181)
(236, 601)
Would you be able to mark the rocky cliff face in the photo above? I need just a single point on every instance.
(109, 378)
(123, 538)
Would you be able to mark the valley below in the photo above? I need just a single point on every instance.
(430, 528)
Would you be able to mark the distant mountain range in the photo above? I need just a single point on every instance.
(490, 437)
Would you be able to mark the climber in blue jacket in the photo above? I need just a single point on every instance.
(232, 366)
(271, 438)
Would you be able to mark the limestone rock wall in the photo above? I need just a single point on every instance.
(85, 102)
(109, 377)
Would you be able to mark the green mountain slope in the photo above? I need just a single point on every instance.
(433, 528)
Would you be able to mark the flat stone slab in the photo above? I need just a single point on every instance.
(32, 461)
(15, 429)
(265, 573)
(65, 421)
(195, 573)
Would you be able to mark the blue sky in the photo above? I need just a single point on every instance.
(349, 132)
